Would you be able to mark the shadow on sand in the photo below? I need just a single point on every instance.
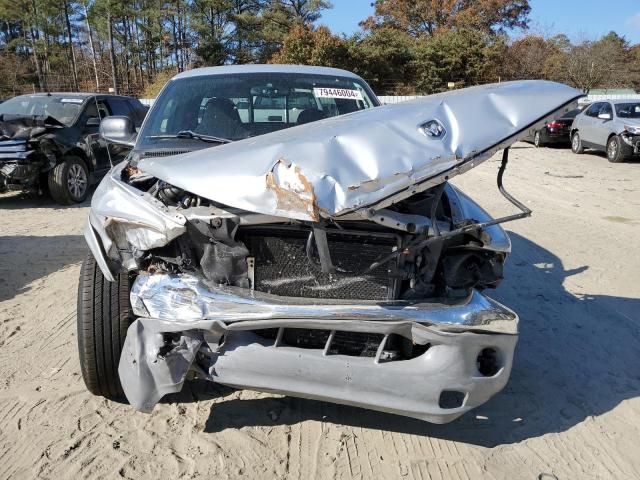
(26, 200)
(577, 357)
(25, 258)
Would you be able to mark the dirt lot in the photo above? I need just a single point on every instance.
(570, 411)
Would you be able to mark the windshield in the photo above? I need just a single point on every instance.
(65, 110)
(239, 106)
(628, 110)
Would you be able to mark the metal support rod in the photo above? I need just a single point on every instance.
(327, 346)
(383, 344)
(278, 341)
(524, 212)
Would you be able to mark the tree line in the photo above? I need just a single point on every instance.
(405, 47)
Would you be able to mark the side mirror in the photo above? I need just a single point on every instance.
(118, 130)
(93, 122)
(604, 116)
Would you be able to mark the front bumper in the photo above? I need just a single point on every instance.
(19, 166)
(16, 174)
(630, 144)
(214, 332)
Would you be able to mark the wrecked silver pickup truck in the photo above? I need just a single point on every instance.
(332, 260)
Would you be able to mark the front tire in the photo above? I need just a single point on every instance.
(614, 150)
(104, 315)
(69, 181)
(576, 144)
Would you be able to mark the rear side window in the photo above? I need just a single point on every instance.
(628, 110)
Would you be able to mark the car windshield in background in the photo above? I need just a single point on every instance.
(65, 110)
(236, 106)
(628, 110)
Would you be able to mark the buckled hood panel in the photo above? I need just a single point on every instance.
(370, 158)
(24, 127)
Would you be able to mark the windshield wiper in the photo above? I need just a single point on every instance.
(191, 134)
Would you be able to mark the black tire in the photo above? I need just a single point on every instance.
(104, 314)
(537, 141)
(576, 144)
(615, 153)
(65, 178)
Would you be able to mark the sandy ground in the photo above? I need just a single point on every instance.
(570, 411)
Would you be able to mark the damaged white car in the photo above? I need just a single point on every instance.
(331, 260)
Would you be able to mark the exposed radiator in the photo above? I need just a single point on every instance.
(282, 266)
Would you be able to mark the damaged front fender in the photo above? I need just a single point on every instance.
(129, 222)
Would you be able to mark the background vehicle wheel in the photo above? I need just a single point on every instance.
(69, 181)
(537, 141)
(576, 144)
(104, 314)
(614, 150)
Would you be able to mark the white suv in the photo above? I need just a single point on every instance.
(610, 126)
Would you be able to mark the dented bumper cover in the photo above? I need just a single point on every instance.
(223, 324)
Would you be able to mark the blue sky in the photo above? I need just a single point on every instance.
(577, 18)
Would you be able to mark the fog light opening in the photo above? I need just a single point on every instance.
(451, 399)
(489, 362)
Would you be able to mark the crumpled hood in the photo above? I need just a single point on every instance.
(370, 158)
(24, 127)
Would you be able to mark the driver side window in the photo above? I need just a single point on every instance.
(96, 110)
(606, 108)
(594, 109)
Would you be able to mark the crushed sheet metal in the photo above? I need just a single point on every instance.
(142, 364)
(123, 216)
(190, 299)
(373, 157)
(148, 372)
(25, 127)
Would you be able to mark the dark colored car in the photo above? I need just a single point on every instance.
(556, 132)
(50, 141)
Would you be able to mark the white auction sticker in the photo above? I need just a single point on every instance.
(337, 93)
(71, 100)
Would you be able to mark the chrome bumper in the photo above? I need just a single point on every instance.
(219, 324)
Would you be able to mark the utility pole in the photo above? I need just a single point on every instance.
(112, 54)
(93, 50)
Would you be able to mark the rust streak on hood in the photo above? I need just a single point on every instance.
(293, 191)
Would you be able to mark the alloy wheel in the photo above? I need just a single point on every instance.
(77, 181)
(612, 149)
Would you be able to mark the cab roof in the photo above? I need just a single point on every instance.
(70, 94)
(263, 68)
